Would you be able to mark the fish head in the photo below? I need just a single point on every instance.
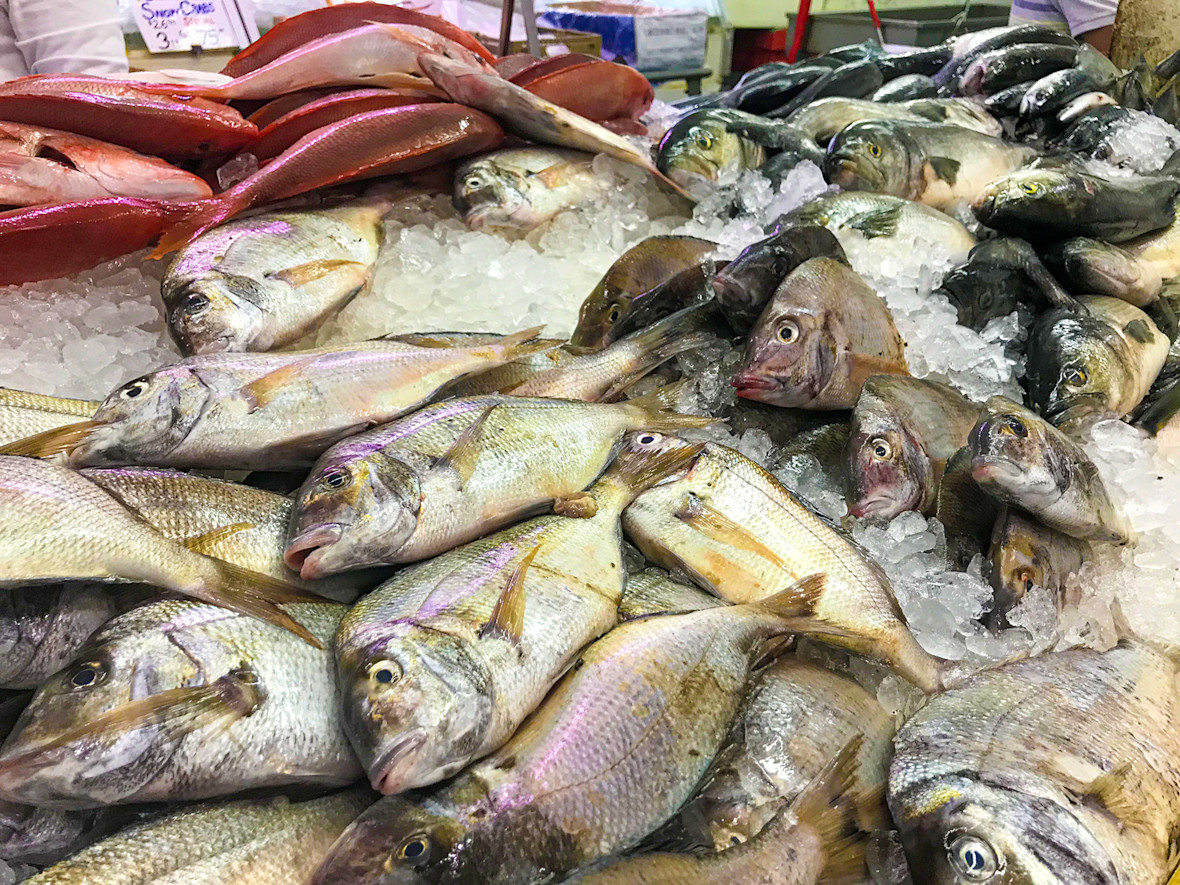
(214, 314)
(1097, 266)
(1028, 195)
(964, 830)
(144, 420)
(887, 471)
(1014, 456)
(699, 150)
(981, 294)
(790, 356)
(1019, 562)
(872, 156)
(602, 310)
(489, 195)
(1075, 367)
(397, 841)
(417, 709)
(750, 279)
(352, 512)
(39, 835)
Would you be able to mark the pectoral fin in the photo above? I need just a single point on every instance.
(876, 222)
(863, 366)
(260, 392)
(207, 541)
(945, 168)
(716, 526)
(507, 619)
(302, 274)
(463, 454)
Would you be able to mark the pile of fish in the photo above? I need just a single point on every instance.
(566, 626)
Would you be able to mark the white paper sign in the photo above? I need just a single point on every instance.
(179, 25)
(670, 41)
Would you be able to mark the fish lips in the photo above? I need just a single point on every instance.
(305, 552)
(752, 386)
(876, 505)
(395, 771)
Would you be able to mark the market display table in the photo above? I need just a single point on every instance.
(692, 76)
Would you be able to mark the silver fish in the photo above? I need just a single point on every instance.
(522, 188)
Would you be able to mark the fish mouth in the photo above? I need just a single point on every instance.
(390, 772)
(876, 505)
(985, 206)
(749, 386)
(985, 468)
(305, 551)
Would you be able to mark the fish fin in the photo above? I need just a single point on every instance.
(715, 525)
(579, 505)
(1163, 408)
(260, 392)
(797, 601)
(1140, 331)
(507, 618)
(554, 176)
(251, 593)
(405, 36)
(876, 222)
(58, 441)
(518, 344)
(302, 274)
(945, 168)
(656, 410)
(829, 806)
(208, 214)
(1109, 791)
(659, 342)
(462, 455)
(864, 367)
(206, 541)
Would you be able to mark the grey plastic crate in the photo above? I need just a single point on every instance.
(922, 26)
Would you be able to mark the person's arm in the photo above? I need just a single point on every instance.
(69, 36)
(1099, 38)
(1091, 20)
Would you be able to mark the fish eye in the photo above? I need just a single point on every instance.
(195, 305)
(335, 478)
(703, 139)
(788, 332)
(1026, 579)
(874, 150)
(385, 672)
(474, 182)
(88, 674)
(882, 449)
(135, 388)
(1015, 426)
(649, 439)
(973, 859)
(614, 314)
(1031, 188)
(1076, 377)
(414, 849)
(779, 268)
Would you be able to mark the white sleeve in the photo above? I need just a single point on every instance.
(69, 36)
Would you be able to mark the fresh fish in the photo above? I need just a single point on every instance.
(441, 664)
(765, 88)
(998, 275)
(994, 71)
(590, 87)
(24, 414)
(817, 452)
(650, 593)
(1025, 554)
(972, 46)
(1060, 769)
(924, 62)
(715, 144)
(59, 526)
(150, 121)
(1022, 460)
(1134, 271)
(368, 145)
(807, 843)
(530, 116)
(453, 472)
(179, 700)
(641, 268)
(1046, 204)
(1007, 102)
(245, 842)
(226, 520)
(40, 835)
(860, 214)
(42, 628)
(1050, 94)
(39, 165)
(822, 334)
(934, 163)
(1083, 104)
(903, 432)
(783, 426)
(375, 54)
(822, 120)
(907, 87)
(651, 701)
(523, 187)
(265, 411)
(747, 283)
(1083, 365)
(797, 715)
(1118, 135)
(264, 282)
(967, 513)
(689, 291)
(856, 79)
(732, 528)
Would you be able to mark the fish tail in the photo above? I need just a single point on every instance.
(829, 806)
(658, 343)
(521, 344)
(250, 593)
(654, 410)
(58, 441)
(193, 221)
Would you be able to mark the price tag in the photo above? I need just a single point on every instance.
(179, 25)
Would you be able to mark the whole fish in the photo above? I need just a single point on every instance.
(375, 143)
(796, 717)
(1025, 554)
(1022, 460)
(926, 62)
(770, 86)
(806, 843)
(1053, 92)
(591, 87)
(1085, 365)
(1007, 102)
(42, 628)
(712, 144)
(858, 78)
(245, 842)
(59, 526)
(906, 88)
(24, 414)
(611, 754)
(822, 119)
(265, 411)
(374, 54)
(263, 282)
(1059, 769)
(735, 531)
(453, 472)
(746, 284)
(530, 116)
(1119, 135)
(1048, 204)
(638, 270)
(857, 214)
(148, 120)
(997, 70)
(971, 46)
(440, 665)
(179, 700)
(822, 334)
(1134, 271)
(934, 163)
(226, 520)
(903, 432)
(40, 165)
(652, 593)
(523, 187)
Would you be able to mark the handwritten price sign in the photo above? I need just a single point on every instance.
(179, 25)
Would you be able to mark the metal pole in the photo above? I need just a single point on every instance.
(529, 12)
(508, 10)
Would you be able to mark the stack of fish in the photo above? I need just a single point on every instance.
(521, 585)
